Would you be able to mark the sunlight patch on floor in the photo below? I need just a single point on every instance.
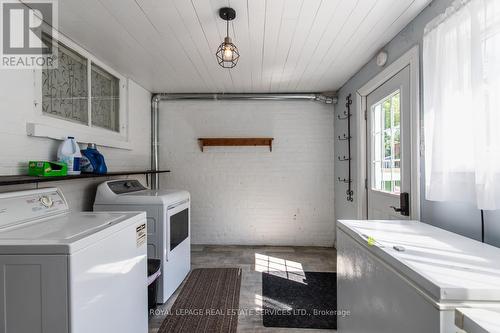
(283, 268)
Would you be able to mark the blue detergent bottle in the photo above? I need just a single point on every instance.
(92, 160)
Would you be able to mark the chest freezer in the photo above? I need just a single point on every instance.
(408, 276)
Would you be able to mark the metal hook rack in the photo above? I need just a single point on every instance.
(344, 137)
(346, 115)
(347, 158)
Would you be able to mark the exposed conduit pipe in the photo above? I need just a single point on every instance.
(157, 98)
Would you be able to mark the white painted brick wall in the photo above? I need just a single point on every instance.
(16, 148)
(248, 195)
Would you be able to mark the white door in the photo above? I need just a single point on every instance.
(388, 148)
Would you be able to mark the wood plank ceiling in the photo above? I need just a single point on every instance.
(285, 45)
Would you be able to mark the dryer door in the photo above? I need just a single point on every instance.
(178, 224)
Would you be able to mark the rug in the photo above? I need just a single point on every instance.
(299, 300)
(208, 302)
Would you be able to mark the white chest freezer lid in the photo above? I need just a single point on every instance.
(39, 222)
(478, 320)
(447, 266)
(131, 192)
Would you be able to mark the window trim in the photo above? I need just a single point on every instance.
(42, 125)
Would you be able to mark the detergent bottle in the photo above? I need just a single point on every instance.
(69, 153)
(92, 160)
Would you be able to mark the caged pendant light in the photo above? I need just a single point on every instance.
(227, 54)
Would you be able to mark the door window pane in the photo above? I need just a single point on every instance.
(65, 89)
(386, 144)
(105, 99)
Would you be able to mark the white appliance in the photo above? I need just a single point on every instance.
(168, 215)
(70, 272)
(478, 320)
(408, 276)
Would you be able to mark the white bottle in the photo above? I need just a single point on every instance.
(69, 153)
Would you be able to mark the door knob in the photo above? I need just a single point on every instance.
(396, 209)
(404, 204)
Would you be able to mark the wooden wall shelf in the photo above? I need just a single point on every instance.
(25, 179)
(220, 142)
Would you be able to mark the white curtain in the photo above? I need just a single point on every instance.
(461, 73)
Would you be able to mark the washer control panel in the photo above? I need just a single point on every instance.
(46, 201)
(125, 186)
(24, 206)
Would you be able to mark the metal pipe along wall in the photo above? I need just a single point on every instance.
(157, 98)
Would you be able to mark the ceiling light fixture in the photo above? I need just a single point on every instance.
(227, 54)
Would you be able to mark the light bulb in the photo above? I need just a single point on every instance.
(227, 54)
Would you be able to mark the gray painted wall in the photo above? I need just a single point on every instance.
(457, 217)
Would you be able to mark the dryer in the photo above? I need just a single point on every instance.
(70, 272)
(168, 218)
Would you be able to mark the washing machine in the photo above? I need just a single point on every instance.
(168, 219)
(70, 272)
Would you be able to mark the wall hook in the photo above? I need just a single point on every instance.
(343, 180)
(347, 137)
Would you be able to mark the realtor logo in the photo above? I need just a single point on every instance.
(28, 34)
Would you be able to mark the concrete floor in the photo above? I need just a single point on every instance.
(253, 260)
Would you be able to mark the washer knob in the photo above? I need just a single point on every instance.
(46, 201)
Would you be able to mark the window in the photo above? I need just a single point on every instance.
(82, 97)
(67, 94)
(386, 144)
(65, 89)
(105, 99)
(461, 57)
